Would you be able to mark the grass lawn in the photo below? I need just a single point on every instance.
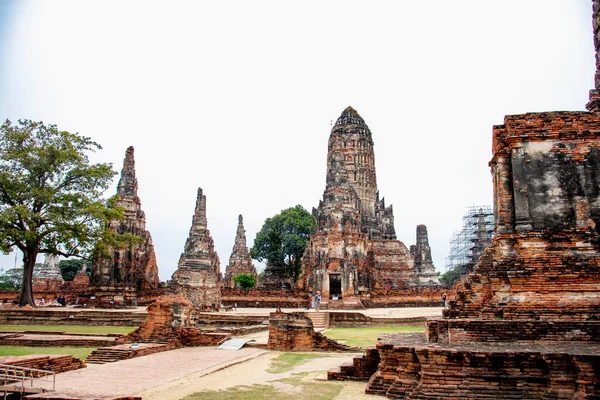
(287, 361)
(79, 352)
(364, 337)
(69, 328)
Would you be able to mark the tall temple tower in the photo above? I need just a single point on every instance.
(131, 268)
(354, 248)
(350, 153)
(198, 274)
(240, 261)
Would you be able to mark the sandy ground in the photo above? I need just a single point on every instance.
(253, 372)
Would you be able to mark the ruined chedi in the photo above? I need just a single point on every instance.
(131, 267)
(239, 261)
(198, 274)
(354, 248)
(424, 271)
(49, 276)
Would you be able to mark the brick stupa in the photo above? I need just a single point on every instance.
(131, 269)
(239, 261)
(198, 274)
(49, 277)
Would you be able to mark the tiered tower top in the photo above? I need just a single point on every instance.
(350, 153)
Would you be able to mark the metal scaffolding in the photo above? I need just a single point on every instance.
(467, 245)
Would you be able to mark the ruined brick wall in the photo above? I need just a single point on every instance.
(544, 261)
(294, 331)
(415, 373)
(465, 331)
(265, 298)
(169, 320)
(411, 297)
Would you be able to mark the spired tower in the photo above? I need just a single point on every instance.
(240, 261)
(198, 274)
(354, 248)
(350, 152)
(424, 270)
(131, 268)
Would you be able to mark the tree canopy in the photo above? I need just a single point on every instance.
(282, 239)
(245, 281)
(50, 195)
(70, 268)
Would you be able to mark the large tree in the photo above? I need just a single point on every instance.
(282, 239)
(50, 195)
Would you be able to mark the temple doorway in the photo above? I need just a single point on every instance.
(335, 286)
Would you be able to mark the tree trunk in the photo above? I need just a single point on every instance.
(26, 297)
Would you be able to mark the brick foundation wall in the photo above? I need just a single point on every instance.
(264, 298)
(468, 331)
(356, 319)
(419, 373)
(17, 316)
(413, 297)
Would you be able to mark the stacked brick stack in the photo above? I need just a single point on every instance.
(169, 321)
(294, 331)
(53, 362)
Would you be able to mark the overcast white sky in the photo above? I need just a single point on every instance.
(237, 97)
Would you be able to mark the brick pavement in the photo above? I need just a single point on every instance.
(144, 373)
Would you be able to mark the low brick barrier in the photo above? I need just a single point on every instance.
(49, 362)
(468, 331)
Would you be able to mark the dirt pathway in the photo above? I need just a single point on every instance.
(253, 372)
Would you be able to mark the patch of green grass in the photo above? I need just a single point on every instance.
(79, 352)
(298, 387)
(287, 361)
(365, 337)
(70, 328)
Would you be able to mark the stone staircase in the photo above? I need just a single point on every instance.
(123, 352)
(319, 319)
(360, 369)
(347, 303)
(109, 355)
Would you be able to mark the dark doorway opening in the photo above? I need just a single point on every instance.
(335, 286)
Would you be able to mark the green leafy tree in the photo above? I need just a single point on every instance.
(50, 196)
(282, 239)
(450, 277)
(70, 268)
(245, 281)
(261, 277)
(11, 279)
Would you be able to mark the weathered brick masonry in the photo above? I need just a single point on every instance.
(294, 331)
(525, 323)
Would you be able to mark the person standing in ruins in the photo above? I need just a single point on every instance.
(317, 301)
